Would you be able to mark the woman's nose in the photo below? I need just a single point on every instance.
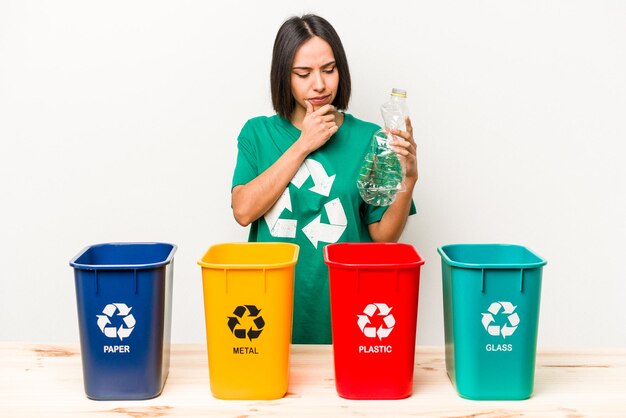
(318, 82)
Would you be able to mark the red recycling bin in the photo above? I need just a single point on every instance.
(374, 290)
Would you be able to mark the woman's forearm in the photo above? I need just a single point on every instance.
(391, 225)
(254, 199)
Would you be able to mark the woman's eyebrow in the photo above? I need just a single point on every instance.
(309, 68)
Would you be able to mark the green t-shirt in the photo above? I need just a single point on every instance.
(321, 205)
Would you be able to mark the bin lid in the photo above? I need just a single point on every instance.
(372, 255)
(490, 256)
(250, 256)
(124, 256)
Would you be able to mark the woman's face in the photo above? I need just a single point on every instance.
(314, 76)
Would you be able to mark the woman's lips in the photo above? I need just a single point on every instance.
(318, 101)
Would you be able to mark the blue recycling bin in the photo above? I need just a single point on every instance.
(124, 301)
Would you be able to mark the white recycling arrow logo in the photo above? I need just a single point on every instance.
(385, 328)
(509, 326)
(322, 183)
(104, 321)
(315, 231)
(285, 228)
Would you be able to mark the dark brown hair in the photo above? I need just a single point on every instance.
(291, 35)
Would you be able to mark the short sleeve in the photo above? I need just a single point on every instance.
(246, 168)
(371, 214)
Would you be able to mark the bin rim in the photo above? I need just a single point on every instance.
(360, 266)
(444, 256)
(260, 266)
(82, 266)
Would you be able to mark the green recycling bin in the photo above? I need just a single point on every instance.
(491, 295)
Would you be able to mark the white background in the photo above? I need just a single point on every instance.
(118, 122)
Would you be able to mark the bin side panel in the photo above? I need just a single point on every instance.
(121, 321)
(167, 321)
(495, 318)
(374, 318)
(248, 316)
(448, 318)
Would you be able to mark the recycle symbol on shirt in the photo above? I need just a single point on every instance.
(127, 324)
(384, 329)
(510, 323)
(315, 231)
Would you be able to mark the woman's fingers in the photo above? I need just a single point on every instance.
(407, 136)
(409, 126)
(399, 141)
(404, 146)
(328, 108)
(327, 122)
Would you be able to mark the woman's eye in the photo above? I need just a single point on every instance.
(330, 70)
(302, 75)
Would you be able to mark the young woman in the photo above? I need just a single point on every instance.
(295, 178)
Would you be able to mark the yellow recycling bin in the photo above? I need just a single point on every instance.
(248, 305)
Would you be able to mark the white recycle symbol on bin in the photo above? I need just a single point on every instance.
(104, 321)
(509, 326)
(385, 327)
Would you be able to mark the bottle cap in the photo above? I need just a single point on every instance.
(398, 93)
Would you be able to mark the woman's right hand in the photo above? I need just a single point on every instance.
(318, 126)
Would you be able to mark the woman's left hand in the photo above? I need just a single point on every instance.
(391, 225)
(404, 146)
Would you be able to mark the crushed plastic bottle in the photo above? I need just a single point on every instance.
(395, 109)
(381, 175)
